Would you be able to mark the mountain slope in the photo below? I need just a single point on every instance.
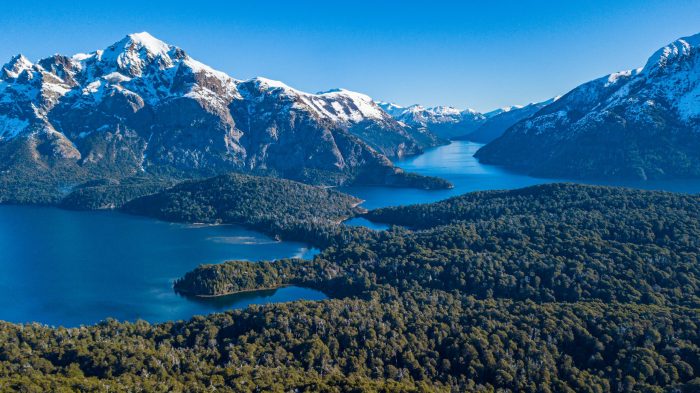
(637, 124)
(141, 105)
(498, 121)
(444, 121)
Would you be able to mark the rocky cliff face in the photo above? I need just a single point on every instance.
(638, 124)
(143, 106)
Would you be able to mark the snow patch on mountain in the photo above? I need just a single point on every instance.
(11, 127)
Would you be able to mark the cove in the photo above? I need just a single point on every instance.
(68, 268)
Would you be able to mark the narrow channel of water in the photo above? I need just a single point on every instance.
(456, 163)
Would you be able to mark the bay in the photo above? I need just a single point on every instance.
(61, 267)
(69, 268)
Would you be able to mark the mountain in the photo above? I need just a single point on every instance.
(143, 106)
(636, 124)
(496, 122)
(444, 121)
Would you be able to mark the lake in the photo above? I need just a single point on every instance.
(456, 163)
(69, 268)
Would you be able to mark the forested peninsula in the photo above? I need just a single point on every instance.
(552, 288)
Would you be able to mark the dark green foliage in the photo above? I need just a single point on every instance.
(112, 194)
(559, 242)
(431, 338)
(239, 276)
(555, 288)
(413, 180)
(276, 206)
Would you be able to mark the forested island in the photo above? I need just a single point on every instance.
(552, 288)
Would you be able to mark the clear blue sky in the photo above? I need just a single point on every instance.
(480, 54)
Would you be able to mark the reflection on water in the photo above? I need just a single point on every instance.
(250, 240)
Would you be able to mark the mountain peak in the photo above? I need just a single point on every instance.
(348, 93)
(16, 66)
(678, 49)
(136, 51)
(147, 41)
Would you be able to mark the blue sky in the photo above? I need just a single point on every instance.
(466, 54)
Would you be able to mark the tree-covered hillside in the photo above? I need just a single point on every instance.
(276, 206)
(554, 288)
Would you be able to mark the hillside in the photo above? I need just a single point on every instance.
(583, 286)
(497, 122)
(141, 107)
(636, 124)
(278, 207)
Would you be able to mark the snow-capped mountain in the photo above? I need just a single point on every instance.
(141, 105)
(444, 121)
(496, 122)
(642, 123)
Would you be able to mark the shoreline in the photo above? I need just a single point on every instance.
(233, 292)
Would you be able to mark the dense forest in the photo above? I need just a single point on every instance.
(552, 288)
(279, 207)
(113, 194)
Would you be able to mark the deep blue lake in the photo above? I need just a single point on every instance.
(456, 163)
(69, 268)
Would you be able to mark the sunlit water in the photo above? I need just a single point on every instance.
(68, 268)
(456, 163)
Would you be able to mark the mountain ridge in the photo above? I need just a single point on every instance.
(143, 106)
(636, 124)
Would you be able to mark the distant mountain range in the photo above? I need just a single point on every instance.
(444, 121)
(495, 123)
(143, 106)
(451, 123)
(639, 124)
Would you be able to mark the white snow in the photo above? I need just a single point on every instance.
(92, 88)
(116, 77)
(392, 109)
(11, 127)
(338, 105)
(82, 56)
(150, 43)
(418, 115)
(682, 47)
(55, 88)
(196, 67)
(689, 103)
(274, 84)
(17, 65)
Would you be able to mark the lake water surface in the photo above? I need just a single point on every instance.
(69, 268)
(456, 163)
